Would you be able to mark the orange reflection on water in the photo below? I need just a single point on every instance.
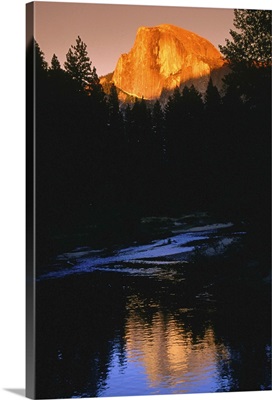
(171, 355)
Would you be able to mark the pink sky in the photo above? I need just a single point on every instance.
(110, 30)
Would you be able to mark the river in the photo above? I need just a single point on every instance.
(185, 312)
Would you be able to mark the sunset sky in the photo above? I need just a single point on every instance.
(110, 30)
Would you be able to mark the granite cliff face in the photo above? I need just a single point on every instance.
(164, 57)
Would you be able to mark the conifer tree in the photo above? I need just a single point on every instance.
(212, 97)
(40, 65)
(95, 89)
(61, 83)
(55, 64)
(192, 104)
(115, 116)
(158, 131)
(249, 56)
(173, 111)
(78, 65)
(113, 100)
(251, 44)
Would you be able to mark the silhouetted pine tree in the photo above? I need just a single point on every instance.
(59, 80)
(115, 115)
(78, 65)
(173, 126)
(117, 149)
(41, 65)
(212, 98)
(249, 55)
(192, 104)
(247, 113)
(158, 129)
(55, 64)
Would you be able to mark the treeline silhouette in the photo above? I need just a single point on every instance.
(100, 167)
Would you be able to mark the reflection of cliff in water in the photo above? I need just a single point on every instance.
(172, 356)
(155, 325)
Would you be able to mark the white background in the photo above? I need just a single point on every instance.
(12, 195)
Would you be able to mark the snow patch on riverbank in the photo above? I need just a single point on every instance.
(182, 242)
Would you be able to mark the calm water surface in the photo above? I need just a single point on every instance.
(146, 319)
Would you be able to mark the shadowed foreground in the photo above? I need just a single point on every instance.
(193, 321)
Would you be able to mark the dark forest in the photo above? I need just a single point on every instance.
(101, 165)
(151, 226)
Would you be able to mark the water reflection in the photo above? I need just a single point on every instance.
(162, 356)
(160, 329)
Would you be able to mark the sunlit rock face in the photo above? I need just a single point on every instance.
(164, 57)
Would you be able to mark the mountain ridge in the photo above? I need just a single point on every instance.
(164, 57)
